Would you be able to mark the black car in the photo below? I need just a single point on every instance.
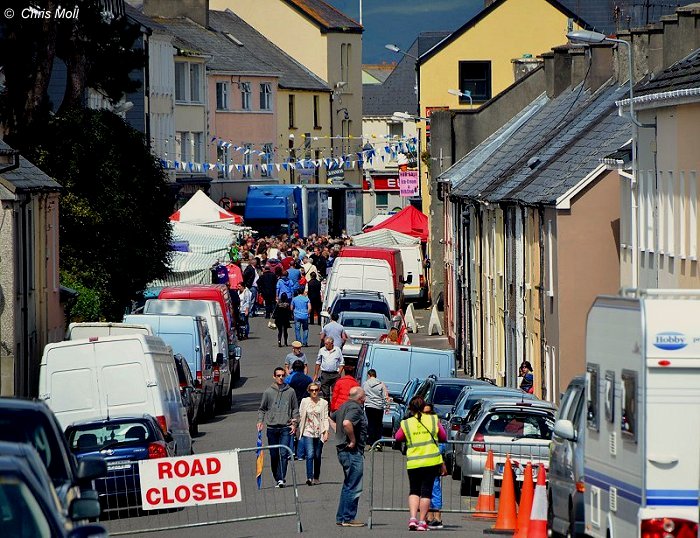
(29, 510)
(123, 442)
(32, 422)
(191, 394)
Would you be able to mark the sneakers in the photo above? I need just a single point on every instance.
(309, 482)
(422, 526)
(316, 481)
(353, 523)
(412, 524)
(435, 524)
(280, 484)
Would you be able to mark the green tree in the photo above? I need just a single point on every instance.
(115, 233)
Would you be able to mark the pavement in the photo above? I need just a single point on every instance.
(236, 429)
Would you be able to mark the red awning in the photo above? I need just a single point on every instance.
(408, 221)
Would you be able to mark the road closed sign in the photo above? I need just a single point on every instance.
(190, 480)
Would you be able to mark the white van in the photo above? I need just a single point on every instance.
(642, 446)
(414, 288)
(360, 274)
(226, 370)
(113, 376)
(88, 329)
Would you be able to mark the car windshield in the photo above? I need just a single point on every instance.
(516, 424)
(446, 394)
(95, 437)
(20, 426)
(378, 322)
(476, 396)
(20, 513)
(361, 305)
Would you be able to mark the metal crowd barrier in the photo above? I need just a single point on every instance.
(123, 515)
(388, 479)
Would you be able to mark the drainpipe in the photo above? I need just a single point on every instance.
(466, 249)
(480, 225)
(22, 364)
(147, 87)
(543, 339)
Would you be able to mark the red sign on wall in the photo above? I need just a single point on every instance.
(381, 184)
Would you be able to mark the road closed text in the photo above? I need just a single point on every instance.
(190, 480)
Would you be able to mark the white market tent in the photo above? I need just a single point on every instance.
(200, 209)
(384, 238)
(376, 220)
(204, 239)
(187, 268)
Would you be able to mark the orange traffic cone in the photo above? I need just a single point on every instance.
(525, 507)
(486, 503)
(506, 520)
(538, 516)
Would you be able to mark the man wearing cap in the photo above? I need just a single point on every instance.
(329, 366)
(296, 355)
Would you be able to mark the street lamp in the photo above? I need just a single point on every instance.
(588, 37)
(460, 93)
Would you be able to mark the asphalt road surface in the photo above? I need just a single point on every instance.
(317, 504)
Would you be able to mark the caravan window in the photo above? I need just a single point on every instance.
(628, 405)
(592, 396)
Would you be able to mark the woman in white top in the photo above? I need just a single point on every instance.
(313, 431)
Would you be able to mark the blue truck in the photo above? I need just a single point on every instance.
(306, 209)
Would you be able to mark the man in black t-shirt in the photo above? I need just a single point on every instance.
(351, 436)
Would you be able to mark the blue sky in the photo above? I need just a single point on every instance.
(400, 21)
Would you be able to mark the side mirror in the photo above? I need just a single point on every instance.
(84, 509)
(219, 358)
(409, 278)
(456, 420)
(168, 437)
(447, 416)
(565, 429)
(325, 314)
(91, 467)
(88, 531)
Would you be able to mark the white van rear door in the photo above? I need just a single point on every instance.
(72, 389)
(379, 278)
(124, 377)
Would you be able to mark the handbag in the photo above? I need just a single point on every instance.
(443, 466)
(271, 325)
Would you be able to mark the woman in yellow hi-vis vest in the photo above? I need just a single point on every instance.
(422, 434)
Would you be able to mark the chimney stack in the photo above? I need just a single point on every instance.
(196, 10)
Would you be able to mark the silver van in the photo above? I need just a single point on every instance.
(566, 485)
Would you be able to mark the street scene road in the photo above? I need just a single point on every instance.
(318, 504)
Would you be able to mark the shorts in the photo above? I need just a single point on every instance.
(422, 479)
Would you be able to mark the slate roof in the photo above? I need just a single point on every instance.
(144, 20)
(292, 75)
(553, 151)
(485, 13)
(225, 54)
(397, 92)
(682, 75)
(326, 16)
(28, 177)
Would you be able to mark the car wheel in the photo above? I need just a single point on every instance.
(467, 487)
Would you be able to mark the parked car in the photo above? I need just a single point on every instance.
(466, 408)
(28, 510)
(190, 337)
(566, 468)
(33, 423)
(126, 375)
(362, 328)
(191, 392)
(123, 442)
(348, 300)
(442, 392)
(396, 364)
(522, 429)
(398, 405)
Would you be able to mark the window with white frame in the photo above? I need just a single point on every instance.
(266, 160)
(181, 147)
(247, 160)
(223, 157)
(198, 147)
(188, 82)
(189, 147)
(222, 92)
(345, 51)
(265, 96)
(245, 95)
(196, 83)
(181, 81)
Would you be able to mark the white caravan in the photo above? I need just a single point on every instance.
(642, 453)
(88, 329)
